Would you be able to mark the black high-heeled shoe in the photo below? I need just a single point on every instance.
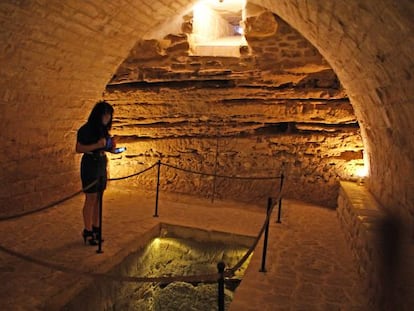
(88, 236)
(96, 233)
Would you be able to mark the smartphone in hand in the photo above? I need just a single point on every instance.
(119, 150)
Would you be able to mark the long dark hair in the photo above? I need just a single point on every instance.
(95, 118)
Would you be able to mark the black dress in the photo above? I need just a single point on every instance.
(93, 164)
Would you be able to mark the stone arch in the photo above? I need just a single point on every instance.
(57, 58)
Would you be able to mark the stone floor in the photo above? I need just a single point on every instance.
(308, 266)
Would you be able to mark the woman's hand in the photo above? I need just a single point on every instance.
(113, 147)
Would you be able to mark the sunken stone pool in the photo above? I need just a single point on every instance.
(176, 251)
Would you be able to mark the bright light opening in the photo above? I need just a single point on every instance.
(361, 172)
(218, 28)
(239, 30)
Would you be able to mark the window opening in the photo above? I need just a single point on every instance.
(218, 28)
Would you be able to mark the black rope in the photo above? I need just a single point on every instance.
(202, 278)
(213, 277)
(50, 205)
(237, 266)
(217, 175)
(206, 278)
(135, 174)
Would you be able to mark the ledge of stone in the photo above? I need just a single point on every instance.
(362, 221)
(361, 207)
(359, 215)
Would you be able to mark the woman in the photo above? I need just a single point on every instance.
(93, 140)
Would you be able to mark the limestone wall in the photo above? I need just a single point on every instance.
(278, 108)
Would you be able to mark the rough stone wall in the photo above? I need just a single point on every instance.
(277, 108)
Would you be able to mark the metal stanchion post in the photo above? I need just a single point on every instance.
(100, 200)
(269, 207)
(279, 212)
(220, 267)
(158, 188)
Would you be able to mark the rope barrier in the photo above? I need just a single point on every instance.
(217, 175)
(50, 205)
(135, 174)
(194, 278)
(162, 279)
(237, 266)
(205, 278)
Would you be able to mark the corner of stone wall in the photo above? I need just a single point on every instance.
(384, 259)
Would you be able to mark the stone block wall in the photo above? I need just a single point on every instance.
(281, 48)
(380, 246)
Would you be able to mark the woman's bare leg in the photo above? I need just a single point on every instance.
(95, 215)
(88, 210)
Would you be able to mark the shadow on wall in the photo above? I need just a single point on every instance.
(395, 264)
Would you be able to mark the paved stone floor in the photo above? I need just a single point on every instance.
(308, 266)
